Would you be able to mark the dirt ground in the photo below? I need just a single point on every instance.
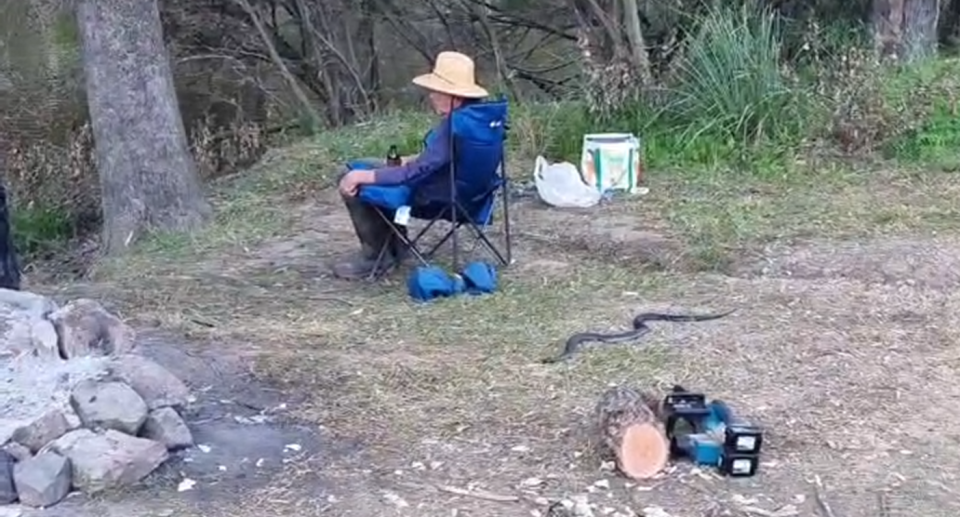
(845, 351)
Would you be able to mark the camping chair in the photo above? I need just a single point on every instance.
(478, 133)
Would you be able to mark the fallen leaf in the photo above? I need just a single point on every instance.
(655, 511)
(395, 499)
(186, 484)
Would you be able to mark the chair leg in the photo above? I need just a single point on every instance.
(482, 237)
(379, 272)
(441, 242)
(424, 230)
(508, 241)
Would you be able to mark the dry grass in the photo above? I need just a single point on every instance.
(451, 393)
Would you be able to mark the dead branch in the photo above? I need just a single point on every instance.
(278, 61)
(479, 494)
(316, 36)
(819, 494)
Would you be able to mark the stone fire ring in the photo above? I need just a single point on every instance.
(79, 408)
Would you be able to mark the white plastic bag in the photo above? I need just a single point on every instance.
(560, 185)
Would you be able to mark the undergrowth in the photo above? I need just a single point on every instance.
(732, 102)
(730, 110)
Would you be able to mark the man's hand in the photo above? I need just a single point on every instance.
(351, 181)
(407, 159)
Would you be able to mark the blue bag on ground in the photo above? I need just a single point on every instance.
(428, 283)
(480, 277)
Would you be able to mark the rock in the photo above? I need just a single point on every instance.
(11, 511)
(154, 383)
(108, 460)
(50, 426)
(73, 420)
(581, 507)
(43, 480)
(108, 405)
(86, 328)
(8, 491)
(34, 304)
(165, 425)
(19, 452)
(25, 334)
(8, 426)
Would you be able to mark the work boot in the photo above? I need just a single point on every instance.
(362, 264)
(373, 232)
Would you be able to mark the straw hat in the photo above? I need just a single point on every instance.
(452, 74)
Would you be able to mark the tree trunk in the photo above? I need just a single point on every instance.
(920, 20)
(949, 30)
(148, 178)
(905, 30)
(887, 20)
(628, 430)
(638, 47)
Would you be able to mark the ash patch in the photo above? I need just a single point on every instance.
(29, 387)
(240, 425)
(243, 438)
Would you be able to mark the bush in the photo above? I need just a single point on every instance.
(729, 84)
(928, 130)
(731, 99)
(727, 95)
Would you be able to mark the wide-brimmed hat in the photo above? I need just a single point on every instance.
(454, 74)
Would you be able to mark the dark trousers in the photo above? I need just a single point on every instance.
(9, 265)
(370, 223)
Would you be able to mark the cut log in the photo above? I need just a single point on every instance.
(628, 430)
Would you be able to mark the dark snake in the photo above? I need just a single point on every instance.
(640, 328)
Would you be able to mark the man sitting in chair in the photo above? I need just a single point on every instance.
(452, 84)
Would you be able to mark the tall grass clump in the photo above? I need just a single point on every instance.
(729, 85)
(727, 97)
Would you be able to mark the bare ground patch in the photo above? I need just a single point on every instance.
(932, 263)
(845, 351)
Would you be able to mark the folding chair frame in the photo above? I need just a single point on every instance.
(458, 216)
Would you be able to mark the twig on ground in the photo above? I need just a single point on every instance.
(818, 493)
(479, 494)
(782, 512)
(883, 509)
(203, 323)
(315, 298)
(537, 237)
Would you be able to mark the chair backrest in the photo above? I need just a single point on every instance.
(479, 132)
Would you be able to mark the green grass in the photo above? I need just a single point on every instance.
(934, 135)
(39, 230)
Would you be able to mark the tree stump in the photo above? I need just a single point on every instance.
(628, 430)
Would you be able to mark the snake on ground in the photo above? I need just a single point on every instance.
(640, 328)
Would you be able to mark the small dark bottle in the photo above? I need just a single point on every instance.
(393, 156)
